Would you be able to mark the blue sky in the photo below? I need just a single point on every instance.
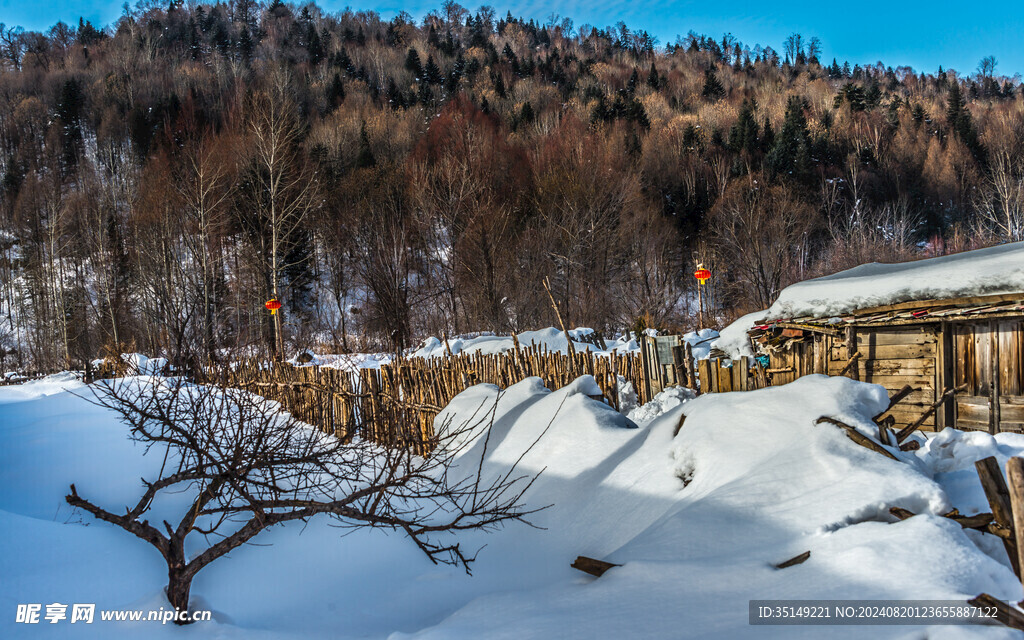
(920, 34)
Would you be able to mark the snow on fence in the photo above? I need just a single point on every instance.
(396, 403)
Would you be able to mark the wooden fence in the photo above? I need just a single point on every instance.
(397, 403)
(741, 374)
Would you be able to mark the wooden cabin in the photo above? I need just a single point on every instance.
(948, 327)
(972, 347)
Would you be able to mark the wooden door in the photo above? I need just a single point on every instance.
(989, 361)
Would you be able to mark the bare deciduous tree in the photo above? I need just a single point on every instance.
(246, 467)
(761, 231)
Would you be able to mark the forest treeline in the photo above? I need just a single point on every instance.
(162, 177)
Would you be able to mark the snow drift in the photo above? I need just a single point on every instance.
(697, 519)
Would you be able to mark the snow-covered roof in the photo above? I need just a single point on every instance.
(990, 271)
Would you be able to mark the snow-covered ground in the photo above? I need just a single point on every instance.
(696, 519)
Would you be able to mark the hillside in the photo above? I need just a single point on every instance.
(162, 177)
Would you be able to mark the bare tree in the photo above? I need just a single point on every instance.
(246, 466)
(761, 232)
(280, 188)
(1001, 201)
(987, 66)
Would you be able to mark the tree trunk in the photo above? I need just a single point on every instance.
(179, 579)
(178, 586)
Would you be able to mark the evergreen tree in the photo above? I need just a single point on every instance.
(743, 136)
(431, 72)
(653, 80)
(69, 112)
(713, 88)
(790, 156)
(526, 114)
(245, 44)
(335, 92)
(767, 136)
(412, 63)
(364, 159)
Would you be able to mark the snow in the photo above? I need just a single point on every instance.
(734, 340)
(661, 403)
(551, 339)
(701, 342)
(993, 270)
(697, 521)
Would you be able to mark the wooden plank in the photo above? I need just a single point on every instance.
(895, 382)
(852, 347)
(896, 351)
(1015, 484)
(795, 560)
(592, 566)
(994, 485)
(1005, 614)
(927, 335)
(857, 436)
(1010, 412)
(897, 366)
(993, 417)
(1010, 357)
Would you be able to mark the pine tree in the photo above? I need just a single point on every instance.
(335, 92)
(413, 64)
(790, 156)
(713, 88)
(653, 81)
(634, 78)
(526, 113)
(245, 44)
(743, 136)
(767, 136)
(431, 72)
(365, 158)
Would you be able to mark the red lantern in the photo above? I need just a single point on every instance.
(273, 304)
(702, 275)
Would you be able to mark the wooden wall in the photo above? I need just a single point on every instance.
(897, 356)
(985, 355)
(990, 352)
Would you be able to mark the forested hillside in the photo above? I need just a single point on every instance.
(163, 176)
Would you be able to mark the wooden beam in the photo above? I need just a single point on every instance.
(1009, 616)
(857, 436)
(993, 402)
(901, 513)
(851, 348)
(809, 327)
(1015, 480)
(850, 363)
(896, 398)
(905, 432)
(998, 496)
